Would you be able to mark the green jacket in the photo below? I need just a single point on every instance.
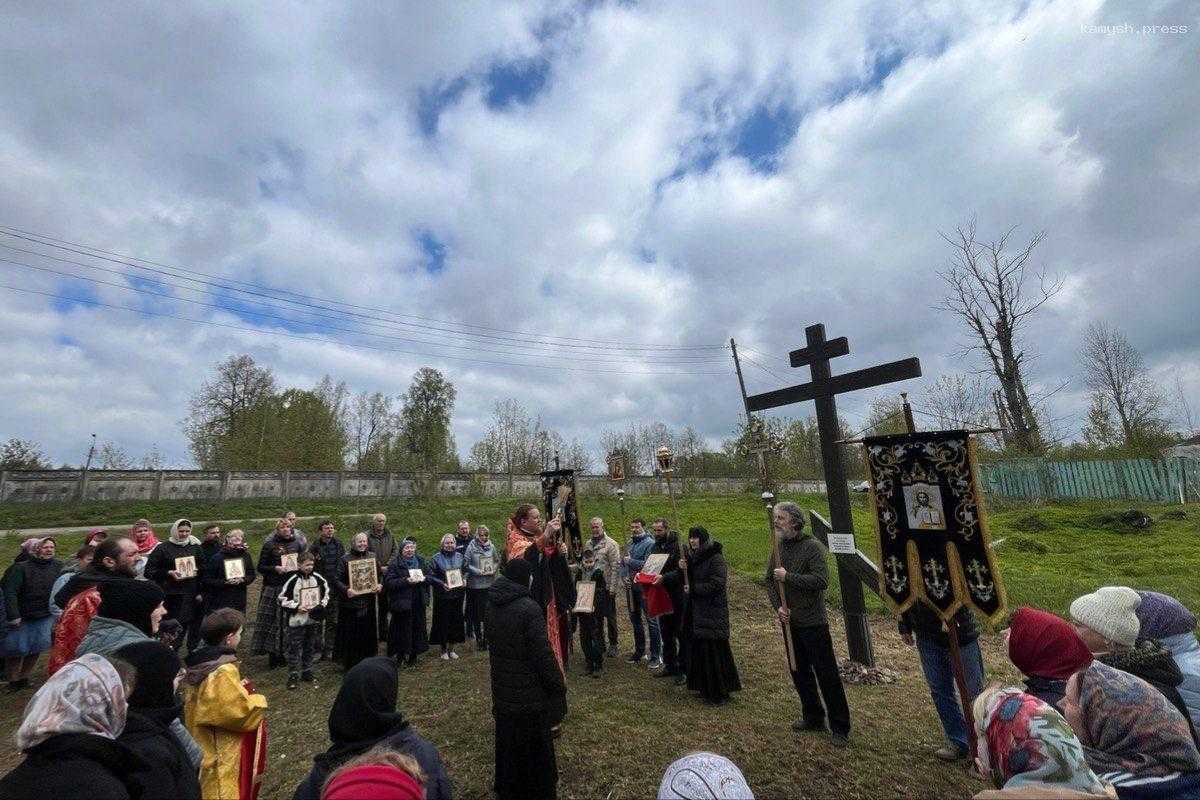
(808, 576)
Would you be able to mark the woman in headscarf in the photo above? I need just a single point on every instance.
(268, 633)
(711, 670)
(68, 736)
(1028, 750)
(363, 717)
(406, 595)
(154, 707)
(357, 630)
(1132, 736)
(1047, 650)
(27, 586)
(143, 536)
(221, 591)
(447, 629)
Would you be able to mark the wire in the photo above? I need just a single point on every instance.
(172, 271)
(357, 345)
(266, 316)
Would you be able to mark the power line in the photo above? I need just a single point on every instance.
(355, 345)
(266, 316)
(172, 271)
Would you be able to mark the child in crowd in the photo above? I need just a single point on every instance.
(223, 712)
(303, 596)
(591, 634)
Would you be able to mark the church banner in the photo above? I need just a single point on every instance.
(933, 537)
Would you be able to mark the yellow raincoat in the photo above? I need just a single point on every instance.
(219, 712)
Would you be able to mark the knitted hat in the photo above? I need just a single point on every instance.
(373, 782)
(706, 775)
(130, 601)
(518, 571)
(1042, 645)
(1161, 616)
(1111, 612)
(156, 665)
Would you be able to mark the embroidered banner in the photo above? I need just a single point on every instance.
(558, 492)
(933, 538)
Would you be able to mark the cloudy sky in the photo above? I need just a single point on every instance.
(584, 185)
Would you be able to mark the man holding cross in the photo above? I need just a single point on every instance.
(805, 576)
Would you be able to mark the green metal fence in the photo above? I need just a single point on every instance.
(1150, 479)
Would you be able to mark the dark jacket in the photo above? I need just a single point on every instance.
(550, 572)
(707, 574)
(27, 588)
(329, 555)
(208, 549)
(341, 582)
(922, 621)
(271, 556)
(383, 545)
(76, 766)
(86, 579)
(526, 679)
(170, 774)
(162, 561)
(1155, 665)
(1048, 690)
(404, 596)
(407, 741)
(599, 598)
(672, 576)
(807, 579)
(218, 593)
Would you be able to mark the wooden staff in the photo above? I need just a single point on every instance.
(664, 456)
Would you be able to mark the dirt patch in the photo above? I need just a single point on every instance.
(1131, 521)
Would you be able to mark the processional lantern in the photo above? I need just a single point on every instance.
(665, 459)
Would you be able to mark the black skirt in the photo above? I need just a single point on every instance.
(406, 633)
(711, 670)
(447, 628)
(357, 632)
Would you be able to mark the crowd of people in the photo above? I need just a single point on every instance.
(145, 694)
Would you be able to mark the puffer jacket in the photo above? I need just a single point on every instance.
(526, 679)
(707, 574)
(1155, 665)
(27, 588)
(106, 636)
(148, 732)
(223, 714)
(1185, 649)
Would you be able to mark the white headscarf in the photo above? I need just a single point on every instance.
(85, 696)
(704, 776)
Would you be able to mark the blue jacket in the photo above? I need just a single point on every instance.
(1185, 649)
(639, 549)
(439, 565)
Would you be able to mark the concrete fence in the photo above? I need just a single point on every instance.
(65, 486)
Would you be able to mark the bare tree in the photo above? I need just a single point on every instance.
(1113, 367)
(113, 456)
(987, 290)
(1182, 407)
(153, 459)
(370, 427)
(959, 401)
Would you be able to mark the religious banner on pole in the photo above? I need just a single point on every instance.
(558, 495)
(933, 538)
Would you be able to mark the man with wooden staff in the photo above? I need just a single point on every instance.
(805, 576)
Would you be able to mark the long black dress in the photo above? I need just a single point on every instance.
(711, 670)
(357, 626)
(448, 627)
(407, 637)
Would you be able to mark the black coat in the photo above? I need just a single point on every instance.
(218, 593)
(672, 575)
(74, 766)
(526, 679)
(271, 556)
(403, 596)
(27, 588)
(170, 774)
(708, 574)
(549, 572)
(162, 561)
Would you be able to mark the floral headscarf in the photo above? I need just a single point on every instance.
(1024, 742)
(1131, 727)
(30, 547)
(85, 696)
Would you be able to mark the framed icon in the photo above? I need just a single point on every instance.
(416, 575)
(364, 577)
(454, 579)
(585, 597)
(310, 598)
(289, 562)
(654, 563)
(487, 565)
(186, 567)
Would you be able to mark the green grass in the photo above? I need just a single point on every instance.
(624, 729)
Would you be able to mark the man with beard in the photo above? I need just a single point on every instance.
(210, 545)
(381, 543)
(167, 567)
(674, 645)
(115, 560)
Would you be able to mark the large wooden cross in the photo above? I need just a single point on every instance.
(823, 388)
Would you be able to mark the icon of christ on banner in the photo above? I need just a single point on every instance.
(933, 537)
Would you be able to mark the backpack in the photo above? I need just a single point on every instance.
(71, 628)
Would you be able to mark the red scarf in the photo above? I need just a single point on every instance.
(147, 544)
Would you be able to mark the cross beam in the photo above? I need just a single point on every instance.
(824, 388)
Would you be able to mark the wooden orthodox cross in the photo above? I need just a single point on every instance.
(823, 388)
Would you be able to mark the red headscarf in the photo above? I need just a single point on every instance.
(373, 782)
(1043, 645)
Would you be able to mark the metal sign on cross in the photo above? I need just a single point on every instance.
(824, 388)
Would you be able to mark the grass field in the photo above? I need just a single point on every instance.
(626, 727)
